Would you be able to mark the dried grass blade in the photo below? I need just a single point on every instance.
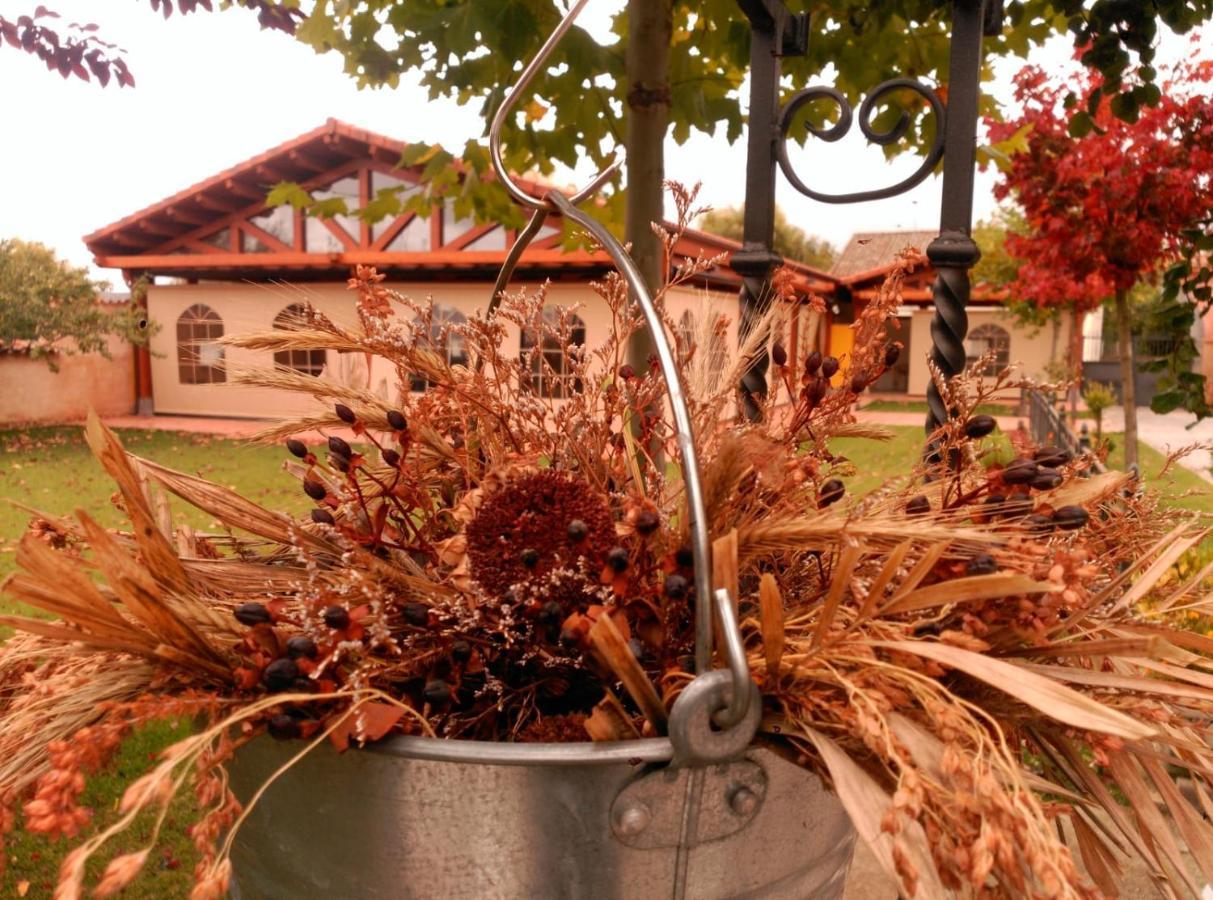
(159, 557)
(1036, 690)
(1110, 680)
(844, 569)
(1154, 828)
(967, 590)
(770, 611)
(1100, 864)
(1195, 831)
(1084, 491)
(609, 721)
(867, 803)
(921, 569)
(71, 586)
(881, 581)
(63, 634)
(1147, 646)
(234, 510)
(613, 650)
(1150, 577)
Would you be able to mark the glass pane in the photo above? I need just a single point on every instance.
(221, 239)
(347, 189)
(320, 239)
(452, 225)
(280, 222)
(547, 231)
(251, 244)
(494, 240)
(380, 181)
(413, 238)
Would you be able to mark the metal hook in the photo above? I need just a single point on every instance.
(507, 105)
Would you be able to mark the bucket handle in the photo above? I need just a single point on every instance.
(730, 699)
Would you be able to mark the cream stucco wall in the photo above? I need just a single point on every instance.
(31, 392)
(1031, 348)
(253, 307)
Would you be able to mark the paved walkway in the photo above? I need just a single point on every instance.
(1170, 432)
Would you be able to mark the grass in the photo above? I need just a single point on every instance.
(920, 406)
(877, 462)
(51, 469)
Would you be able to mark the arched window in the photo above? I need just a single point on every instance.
(199, 358)
(309, 362)
(444, 341)
(982, 340)
(551, 368)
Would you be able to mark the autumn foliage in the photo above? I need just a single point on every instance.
(1111, 207)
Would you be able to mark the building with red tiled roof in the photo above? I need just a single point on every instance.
(220, 261)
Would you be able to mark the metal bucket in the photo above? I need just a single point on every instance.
(388, 822)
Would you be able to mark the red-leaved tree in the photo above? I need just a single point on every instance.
(1109, 202)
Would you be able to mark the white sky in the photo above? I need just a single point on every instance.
(213, 90)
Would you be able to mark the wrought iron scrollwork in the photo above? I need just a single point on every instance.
(883, 138)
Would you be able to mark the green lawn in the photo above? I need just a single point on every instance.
(920, 406)
(52, 470)
(878, 462)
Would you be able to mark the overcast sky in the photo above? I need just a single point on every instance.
(213, 90)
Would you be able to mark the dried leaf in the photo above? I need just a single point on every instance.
(770, 609)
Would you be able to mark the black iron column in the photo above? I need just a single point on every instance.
(954, 252)
(775, 33)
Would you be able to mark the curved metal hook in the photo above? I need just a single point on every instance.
(882, 138)
(507, 105)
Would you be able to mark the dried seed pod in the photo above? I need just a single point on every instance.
(859, 381)
(1020, 471)
(1017, 506)
(981, 564)
(437, 692)
(684, 557)
(829, 367)
(280, 675)
(577, 531)
(529, 557)
(675, 586)
(340, 463)
(284, 728)
(391, 457)
(996, 500)
(1038, 524)
(396, 420)
(461, 651)
(301, 646)
(339, 447)
(336, 617)
(416, 614)
(1046, 479)
(296, 447)
(831, 491)
(314, 489)
(980, 426)
(323, 517)
(918, 506)
(1070, 517)
(892, 353)
(617, 559)
(812, 363)
(626, 371)
(818, 389)
(779, 356)
(1052, 456)
(253, 614)
(550, 612)
(647, 521)
(345, 414)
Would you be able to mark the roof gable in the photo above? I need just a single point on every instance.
(221, 227)
(870, 251)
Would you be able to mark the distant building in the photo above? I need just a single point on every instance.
(219, 261)
(861, 269)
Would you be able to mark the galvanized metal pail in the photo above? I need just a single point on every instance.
(386, 823)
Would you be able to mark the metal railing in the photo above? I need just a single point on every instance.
(1048, 428)
(1096, 348)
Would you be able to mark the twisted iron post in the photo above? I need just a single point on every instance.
(955, 252)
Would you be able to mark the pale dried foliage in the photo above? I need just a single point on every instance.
(963, 675)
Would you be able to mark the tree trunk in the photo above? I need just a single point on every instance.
(1128, 392)
(1075, 361)
(647, 65)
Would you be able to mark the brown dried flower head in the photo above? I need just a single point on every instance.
(534, 525)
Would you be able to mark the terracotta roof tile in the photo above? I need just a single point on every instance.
(870, 250)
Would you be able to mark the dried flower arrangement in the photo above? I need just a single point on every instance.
(962, 655)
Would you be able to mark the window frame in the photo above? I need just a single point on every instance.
(199, 324)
